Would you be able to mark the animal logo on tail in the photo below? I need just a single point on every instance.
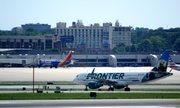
(161, 65)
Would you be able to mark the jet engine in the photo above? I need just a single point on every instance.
(94, 85)
(118, 86)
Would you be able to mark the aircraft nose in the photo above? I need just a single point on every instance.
(75, 80)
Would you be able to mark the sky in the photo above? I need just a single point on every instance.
(150, 14)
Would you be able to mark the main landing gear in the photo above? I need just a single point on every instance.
(86, 89)
(110, 89)
(127, 89)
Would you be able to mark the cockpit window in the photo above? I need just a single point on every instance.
(77, 76)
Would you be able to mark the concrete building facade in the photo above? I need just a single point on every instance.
(46, 42)
(95, 37)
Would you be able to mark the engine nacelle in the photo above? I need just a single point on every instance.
(94, 85)
(118, 86)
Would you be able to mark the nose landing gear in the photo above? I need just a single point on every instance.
(86, 89)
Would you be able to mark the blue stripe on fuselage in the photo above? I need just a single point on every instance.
(135, 80)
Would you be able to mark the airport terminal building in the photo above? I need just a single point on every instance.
(85, 60)
(46, 42)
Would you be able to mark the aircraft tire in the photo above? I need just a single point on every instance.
(127, 89)
(110, 89)
(85, 89)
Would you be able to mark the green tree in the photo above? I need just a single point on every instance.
(177, 44)
(158, 43)
(133, 48)
(119, 48)
(144, 45)
(31, 32)
(48, 31)
(122, 49)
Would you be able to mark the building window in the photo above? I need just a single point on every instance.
(8, 43)
(48, 44)
(39, 44)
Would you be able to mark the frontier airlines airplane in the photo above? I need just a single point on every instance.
(119, 80)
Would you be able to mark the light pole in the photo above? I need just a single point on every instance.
(33, 78)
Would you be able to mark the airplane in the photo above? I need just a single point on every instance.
(58, 63)
(173, 65)
(120, 80)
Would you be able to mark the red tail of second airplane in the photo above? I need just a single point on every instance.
(68, 57)
(172, 64)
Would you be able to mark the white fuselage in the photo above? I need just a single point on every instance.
(122, 78)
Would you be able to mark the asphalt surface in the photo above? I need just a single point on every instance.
(93, 103)
(81, 87)
(68, 74)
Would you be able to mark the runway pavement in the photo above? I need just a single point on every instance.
(68, 74)
(93, 103)
(78, 87)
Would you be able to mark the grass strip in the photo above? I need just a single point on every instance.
(54, 96)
